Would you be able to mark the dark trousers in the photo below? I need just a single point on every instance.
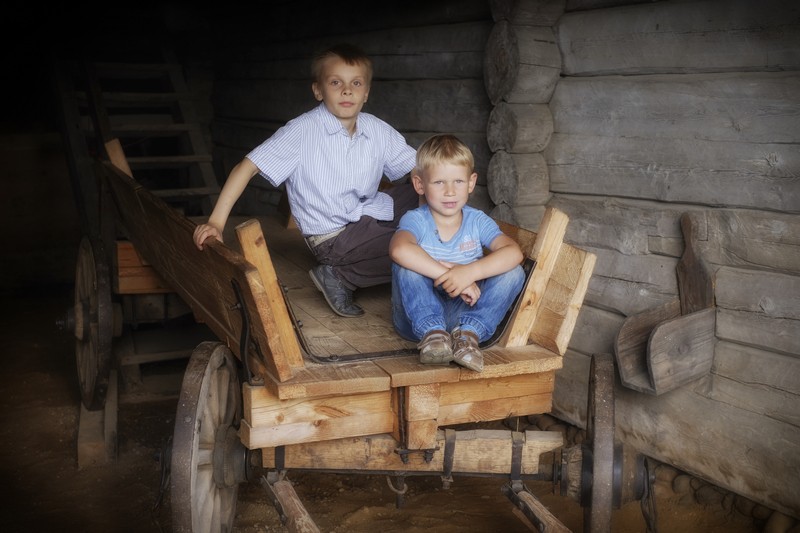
(360, 254)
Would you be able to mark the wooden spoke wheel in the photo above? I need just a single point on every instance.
(598, 484)
(208, 459)
(601, 474)
(93, 318)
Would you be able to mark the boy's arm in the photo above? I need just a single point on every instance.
(404, 250)
(504, 255)
(237, 180)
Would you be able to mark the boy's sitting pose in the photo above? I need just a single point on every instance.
(332, 159)
(446, 293)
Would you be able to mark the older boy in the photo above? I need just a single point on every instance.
(332, 159)
(446, 293)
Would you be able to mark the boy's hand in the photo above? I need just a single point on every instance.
(471, 294)
(205, 231)
(456, 280)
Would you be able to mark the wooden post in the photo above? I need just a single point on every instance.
(275, 316)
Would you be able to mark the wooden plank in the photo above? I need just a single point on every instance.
(766, 240)
(759, 331)
(298, 519)
(695, 276)
(562, 299)
(320, 430)
(648, 37)
(482, 411)
(758, 107)
(773, 294)
(204, 280)
(630, 346)
(494, 399)
(758, 381)
(757, 175)
(499, 362)
(545, 253)
(476, 451)
(262, 408)
(315, 380)
(681, 350)
(275, 317)
(134, 274)
(546, 522)
(498, 388)
(407, 370)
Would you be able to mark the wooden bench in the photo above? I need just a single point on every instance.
(320, 378)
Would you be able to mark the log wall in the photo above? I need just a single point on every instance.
(661, 109)
(428, 63)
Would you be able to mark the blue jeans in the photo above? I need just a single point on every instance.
(418, 306)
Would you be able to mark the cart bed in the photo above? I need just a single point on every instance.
(315, 377)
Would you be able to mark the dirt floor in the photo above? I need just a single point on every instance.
(46, 491)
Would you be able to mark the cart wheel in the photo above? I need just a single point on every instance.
(93, 320)
(208, 459)
(597, 496)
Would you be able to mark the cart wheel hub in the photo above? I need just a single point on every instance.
(230, 457)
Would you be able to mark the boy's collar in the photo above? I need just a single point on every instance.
(332, 124)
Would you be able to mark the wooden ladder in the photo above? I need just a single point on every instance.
(148, 108)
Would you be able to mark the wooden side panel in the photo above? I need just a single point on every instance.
(204, 280)
(545, 252)
(563, 299)
(495, 399)
(134, 274)
(269, 421)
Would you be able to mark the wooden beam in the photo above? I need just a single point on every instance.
(275, 316)
(476, 451)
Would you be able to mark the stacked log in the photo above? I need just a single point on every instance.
(522, 66)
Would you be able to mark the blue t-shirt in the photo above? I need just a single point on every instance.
(477, 232)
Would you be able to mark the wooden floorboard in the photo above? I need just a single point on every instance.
(323, 333)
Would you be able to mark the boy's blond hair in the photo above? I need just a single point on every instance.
(444, 149)
(349, 53)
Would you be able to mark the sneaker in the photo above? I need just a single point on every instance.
(435, 348)
(466, 351)
(339, 297)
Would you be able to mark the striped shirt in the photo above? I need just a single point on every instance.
(477, 232)
(332, 178)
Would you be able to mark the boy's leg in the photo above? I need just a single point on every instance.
(417, 314)
(359, 255)
(497, 295)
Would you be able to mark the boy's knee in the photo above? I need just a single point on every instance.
(514, 277)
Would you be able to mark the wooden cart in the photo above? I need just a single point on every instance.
(288, 385)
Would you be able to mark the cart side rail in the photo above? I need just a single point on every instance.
(221, 287)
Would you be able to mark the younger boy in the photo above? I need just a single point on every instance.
(446, 293)
(332, 159)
